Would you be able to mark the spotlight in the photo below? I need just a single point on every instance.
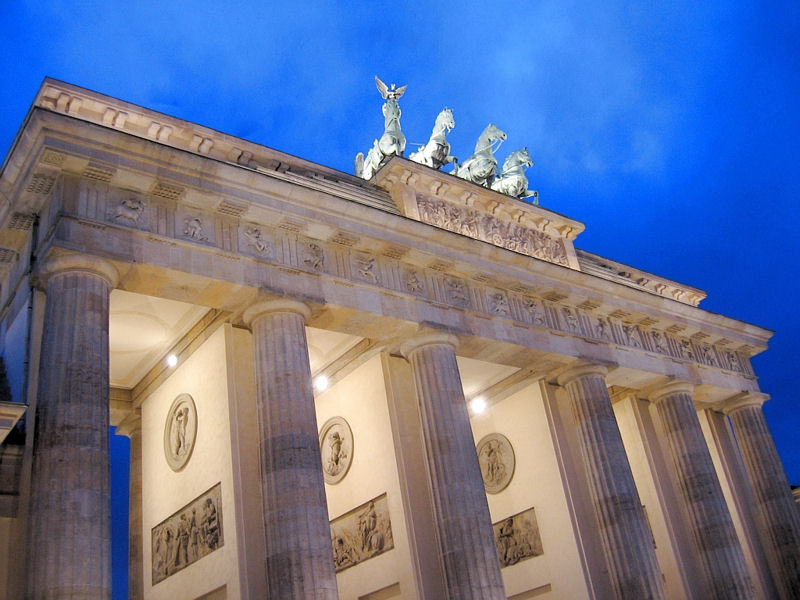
(172, 360)
(478, 405)
(321, 383)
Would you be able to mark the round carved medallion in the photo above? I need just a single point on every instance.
(496, 457)
(336, 447)
(180, 431)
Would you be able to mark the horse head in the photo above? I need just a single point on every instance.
(518, 158)
(445, 120)
(494, 133)
(491, 134)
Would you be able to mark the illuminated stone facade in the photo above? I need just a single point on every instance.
(623, 443)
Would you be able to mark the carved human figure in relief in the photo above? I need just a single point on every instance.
(367, 522)
(498, 304)
(336, 455)
(512, 180)
(366, 268)
(209, 525)
(436, 153)
(315, 256)
(413, 283)
(493, 467)
(182, 547)
(533, 309)
(631, 335)
(507, 541)
(658, 342)
(602, 328)
(181, 420)
(708, 355)
(392, 142)
(572, 319)
(194, 537)
(194, 228)
(457, 292)
(734, 362)
(255, 239)
(482, 165)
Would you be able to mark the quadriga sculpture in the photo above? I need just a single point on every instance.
(481, 166)
(512, 180)
(436, 153)
(392, 142)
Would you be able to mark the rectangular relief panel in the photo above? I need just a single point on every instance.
(188, 535)
(361, 533)
(517, 538)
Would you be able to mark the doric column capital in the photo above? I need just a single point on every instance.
(744, 400)
(66, 263)
(131, 424)
(427, 339)
(581, 369)
(282, 305)
(669, 389)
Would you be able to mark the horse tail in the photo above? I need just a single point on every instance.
(359, 164)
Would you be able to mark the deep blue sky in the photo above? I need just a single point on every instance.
(670, 129)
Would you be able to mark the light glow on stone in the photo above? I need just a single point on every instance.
(478, 405)
(172, 360)
(321, 383)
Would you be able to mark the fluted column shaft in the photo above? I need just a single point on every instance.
(466, 538)
(712, 526)
(299, 555)
(627, 541)
(69, 544)
(779, 519)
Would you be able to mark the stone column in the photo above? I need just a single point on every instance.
(299, 554)
(69, 543)
(627, 542)
(712, 527)
(779, 519)
(132, 427)
(466, 538)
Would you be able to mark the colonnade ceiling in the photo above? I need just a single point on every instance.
(142, 329)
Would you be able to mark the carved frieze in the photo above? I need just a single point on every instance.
(488, 228)
(361, 533)
(482, 293)
(498, 303)
(456, 292)
(413, 281)
(130, 209)
(253, 240)
(517, 538)
(187, 535)
(312, 255)
(194, 229)
(364, 268)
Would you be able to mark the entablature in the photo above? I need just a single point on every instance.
(255, 229)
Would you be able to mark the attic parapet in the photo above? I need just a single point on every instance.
(636, 278)
(439, 199)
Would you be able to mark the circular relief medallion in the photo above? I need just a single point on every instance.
(336, 447)
(180, 431)
(496, 457)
